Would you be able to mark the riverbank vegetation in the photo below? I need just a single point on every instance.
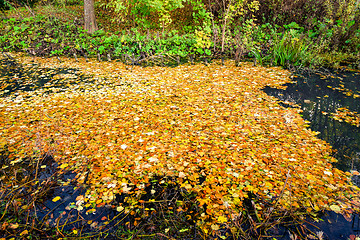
(276, 33)
(95, 146)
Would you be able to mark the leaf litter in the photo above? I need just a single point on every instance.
(211, 128)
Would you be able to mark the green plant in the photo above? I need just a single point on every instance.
(289, 49)
(141, 12)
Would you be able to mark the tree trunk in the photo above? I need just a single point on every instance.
(90, 20)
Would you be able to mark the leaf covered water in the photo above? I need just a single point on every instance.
(211, 128)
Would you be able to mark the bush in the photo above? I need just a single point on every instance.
(42, 36)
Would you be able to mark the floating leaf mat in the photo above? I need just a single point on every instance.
(211, 128)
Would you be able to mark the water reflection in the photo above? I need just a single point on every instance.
(318, 97)
(16, 78)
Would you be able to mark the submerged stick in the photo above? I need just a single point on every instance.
(277, 201)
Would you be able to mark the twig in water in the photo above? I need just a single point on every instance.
(8, 56)
(277, 201)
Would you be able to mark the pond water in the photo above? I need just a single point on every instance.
(319, 96)
(15, 78)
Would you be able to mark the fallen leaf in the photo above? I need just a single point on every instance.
(55, 199)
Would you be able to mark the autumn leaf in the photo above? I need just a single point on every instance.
(55, 199)
(215, 227)
(335, 208)
(222, 219)
(64, 165)
(14, 225)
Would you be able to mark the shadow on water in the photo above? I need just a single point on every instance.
(63, 213)
(15, 77)
(319, 96)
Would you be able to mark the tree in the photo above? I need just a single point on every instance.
(90, 19)
(143, 12)
(231, 10)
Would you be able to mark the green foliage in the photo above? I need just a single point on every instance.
(203, 42)
(201, 15)
(50, 37)
(157, 29)
(142, 12)
(64, 3)
(329, 23)
(5, 4)
(141, 47)
(289, 49)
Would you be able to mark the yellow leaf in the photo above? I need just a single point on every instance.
(14, 225)
(64, 165)
(25, 232)
(215, 227)
(222, 219)
(55, 199)
(316, 207)
(335, 208)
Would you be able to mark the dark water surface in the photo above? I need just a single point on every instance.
(15, 77)
(319, 95)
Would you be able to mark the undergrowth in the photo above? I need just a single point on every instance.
(267, 44)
